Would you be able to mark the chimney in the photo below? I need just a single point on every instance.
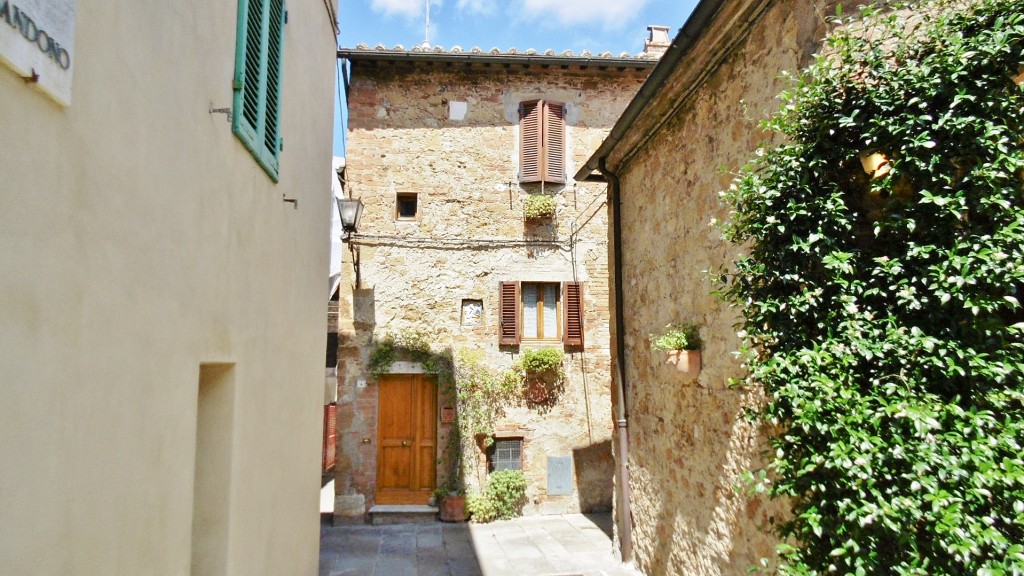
(657, 42)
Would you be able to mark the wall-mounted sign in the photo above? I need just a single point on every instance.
(37, 41)
(559, 475)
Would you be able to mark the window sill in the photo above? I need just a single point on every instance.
(540, 343)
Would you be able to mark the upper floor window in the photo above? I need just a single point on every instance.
(256, 112)
(406, 206)
(542, 142)
(540, 311)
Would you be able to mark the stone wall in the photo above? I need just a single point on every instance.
(469, 235)
(689, 440)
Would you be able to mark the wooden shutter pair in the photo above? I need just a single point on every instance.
(542, 141)
(509, 303)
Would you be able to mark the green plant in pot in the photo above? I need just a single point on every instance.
(682, 344)
(541, 374)
(451, 504)
(538, 206)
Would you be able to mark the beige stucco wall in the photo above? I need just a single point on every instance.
(138, 241)
(689, 441)
(465, 174)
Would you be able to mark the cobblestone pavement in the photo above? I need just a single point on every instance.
(565, 545)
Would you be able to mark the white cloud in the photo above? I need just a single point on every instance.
(477, 6)
(611, 13)
(407, 8)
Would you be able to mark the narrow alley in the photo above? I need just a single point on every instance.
(560, 545)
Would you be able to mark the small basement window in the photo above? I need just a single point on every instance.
(406, 206)
(505, 454)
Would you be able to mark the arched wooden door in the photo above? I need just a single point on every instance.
(406, 439)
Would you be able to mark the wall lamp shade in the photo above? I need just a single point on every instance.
(350, 209)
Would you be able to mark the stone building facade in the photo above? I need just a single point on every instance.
(689, 443)
(433, 151)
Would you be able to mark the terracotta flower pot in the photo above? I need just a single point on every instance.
(537, 392)
(453, 508)
(685, 361)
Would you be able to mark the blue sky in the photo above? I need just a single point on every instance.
(615, 26)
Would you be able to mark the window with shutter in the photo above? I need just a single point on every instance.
(542, 142)
(542, 312)
(508, 314)
(572, 296)
(256, 111)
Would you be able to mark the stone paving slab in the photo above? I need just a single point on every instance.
(563, 545)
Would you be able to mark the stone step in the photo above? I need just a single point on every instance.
(402, 514)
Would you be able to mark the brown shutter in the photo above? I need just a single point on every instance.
(508, 314)
(554, 142)
(572, 296)
(329, 457)
(530, 158)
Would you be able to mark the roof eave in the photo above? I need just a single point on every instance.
(475, 58)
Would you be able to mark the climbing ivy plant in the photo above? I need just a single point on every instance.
(880, 295)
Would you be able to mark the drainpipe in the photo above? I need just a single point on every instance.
(621, 425)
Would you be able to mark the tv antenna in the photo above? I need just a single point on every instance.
(426, 36)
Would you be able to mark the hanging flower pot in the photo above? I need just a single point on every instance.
(681, 344)
(537, 392)
(685, 361)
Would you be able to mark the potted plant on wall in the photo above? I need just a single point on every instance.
(681, 344)
(537, 206)
(542, 375)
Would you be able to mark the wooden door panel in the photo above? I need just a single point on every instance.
(396, 465)
(427, 472)
(406, 439)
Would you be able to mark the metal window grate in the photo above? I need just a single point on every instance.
(506, 454)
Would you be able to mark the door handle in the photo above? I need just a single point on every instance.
(405, 443)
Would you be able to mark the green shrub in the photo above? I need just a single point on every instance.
(881, 309)
(503, 497)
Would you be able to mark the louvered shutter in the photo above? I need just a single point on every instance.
(246, 121)
(330, 447)
(256, 112)
(275, 48)
(530, 157)
(508, 314)
(572, 299)
(554, 142)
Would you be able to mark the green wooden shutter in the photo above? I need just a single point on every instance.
(256, 111)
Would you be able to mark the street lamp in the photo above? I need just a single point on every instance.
(349, 209)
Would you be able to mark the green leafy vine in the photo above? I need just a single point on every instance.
(881, 295)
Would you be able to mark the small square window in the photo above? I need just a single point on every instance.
(406, 206)
(505, 454)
